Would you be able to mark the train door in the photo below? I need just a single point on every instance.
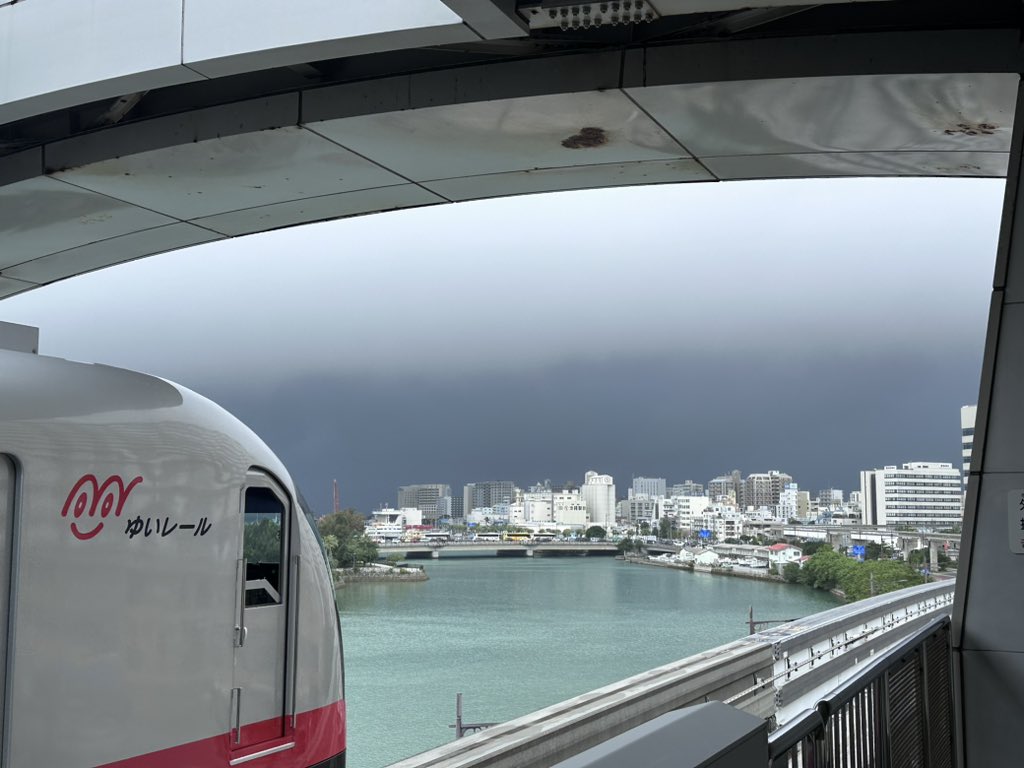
(261, 629)
(6, 537)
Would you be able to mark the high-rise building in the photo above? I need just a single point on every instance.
(424, 497)
(763, 489)
(688, 488)
(803, 505)
(599, 494)
(637, 510)
(726, 485)
(789, 501)
(487, 494)
(920, 494)
(968, 415)
(649, 487)
(829, 498)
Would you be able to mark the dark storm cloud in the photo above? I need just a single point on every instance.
(819, 328)
(822, 422)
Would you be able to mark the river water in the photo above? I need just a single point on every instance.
(518, 634)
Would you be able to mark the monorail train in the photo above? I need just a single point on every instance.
(164, 597)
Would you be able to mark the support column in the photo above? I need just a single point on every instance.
(988, 616)
(933, 556)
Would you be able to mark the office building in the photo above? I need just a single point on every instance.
(489, 493)
(425, 498)
(687, 488)
(920, 494)
(648, 487)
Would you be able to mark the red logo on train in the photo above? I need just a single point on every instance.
(88, 496)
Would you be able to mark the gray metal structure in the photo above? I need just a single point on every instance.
(897, 711)
(712, 735)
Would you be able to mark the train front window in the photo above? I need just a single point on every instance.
(263, 547)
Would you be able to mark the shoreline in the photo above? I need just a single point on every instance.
(754, 575)
(378, 575)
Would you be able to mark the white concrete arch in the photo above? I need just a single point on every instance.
(133, 128)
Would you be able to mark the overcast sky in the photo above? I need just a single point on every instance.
(817, 327)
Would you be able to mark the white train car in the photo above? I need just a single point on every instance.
(164, 598)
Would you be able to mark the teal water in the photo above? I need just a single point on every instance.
(516, 635)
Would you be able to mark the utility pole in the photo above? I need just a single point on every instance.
(337, 506)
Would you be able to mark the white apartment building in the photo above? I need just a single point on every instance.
(789, 501)
(723, 526)
(920, 494)
(684, 508)
(968, 415)
(599, 494)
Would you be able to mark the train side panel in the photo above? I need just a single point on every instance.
(125, 602)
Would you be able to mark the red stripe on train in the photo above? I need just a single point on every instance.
(319, 735)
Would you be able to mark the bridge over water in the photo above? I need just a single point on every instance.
(135, 127)
(500, 548)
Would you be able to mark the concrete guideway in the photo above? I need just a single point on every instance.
(267, 144)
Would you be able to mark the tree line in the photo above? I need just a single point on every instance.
(831, 570)
(345, 539)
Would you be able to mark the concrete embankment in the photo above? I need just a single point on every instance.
(343, 576)
(743, 573)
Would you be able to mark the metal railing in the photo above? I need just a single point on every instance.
(897, 711)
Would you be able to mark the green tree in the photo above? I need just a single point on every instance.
(595, 532)
(664, 528)
(351, 544)
(810, 547)
(627, 545)
(829, 570)
(791, 573)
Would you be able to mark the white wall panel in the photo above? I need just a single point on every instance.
(55, 53)
(228, 36)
